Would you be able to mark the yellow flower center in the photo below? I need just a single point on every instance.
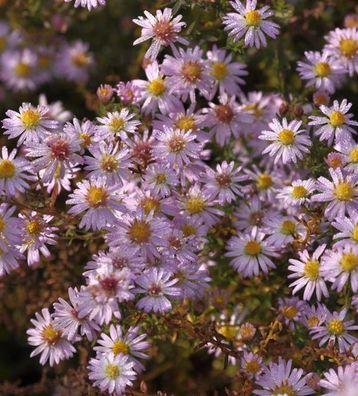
(109, 163)
(30, 118)
(299, 192)
(252, 248)
(96, 196)
(290, 311)
(353, 155)
(284, 389)
(7, 169)
(50, 335)
(116, 124)
(188, 230)
(161, 178)
(219, 70)
(195, 205)
(264, 181)
(185, 123)
(337, 119)
(149, 204)
(22, 69)
(139, 231)
(335, 326)
(86, 139)
(288, 227)
(191, 71)
(323, 69)
(2, 43)
(253, 18)
(120, 346)
(2, 224)
(228, 331)
(176, 144)
(80, 59)
(34, 227)
(311, 270)
(252, 366)
(349, 262)
(344, 191)
(254, 107)
(312, 321)
(286, 137)
(156, 87)
(348, 47)
(112, 371)
(355, 233)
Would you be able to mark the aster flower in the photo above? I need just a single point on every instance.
(313, 316)
(83, 132)
(340, 266)
(321, 71)
(9, 259)
(335, 330)
(156, 284)
(226, 73)
(249, 22)
(250, 214)
(54, 154)
(48, 340)
(337, 123)
(160, 179)
(10, 234)
(98, 200)
(30, 124)
(15, 173)
(298, 193)
(117, 124)
(88, 3)
(281, 379)
(251, 253)
(308, 270)
(341, 192)
(349, 151)
(36, 234)
(112, 374)
(342, 44)
(223, 183)
(289, 142)
(128, 93)
(290, 310)
(251, 365)
(282, 230)
(59, 182)
(162, 28)
(348, 227)
(130, 343)
(342, 381)
(55, 109)
(187, 72)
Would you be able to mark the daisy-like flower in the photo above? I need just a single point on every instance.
(250, 214)
(108, 162)
(30, 124)
(280, 379)
(348, 148)
(67, 320)
(341, 192)
(340, 266)
(128, 93)
(321, 71)
(289, 142)
(298, 193)
(84, 132)
(130, 343)
(187, 72)
(98, 200)
(155, 92)
(88, 3)
(282, 230)
(251, 253)
(48, 340)
(342, 381)
(176, 146)
(112, 374)
(337, 123)
(160, 179)
(335, 330)
(10, 234)
(162, 28)
(56, 153)
(313, 316)
(36, 234)
(309, 273)
(226, 73)
(348, 227)
(9, 260)
(117, 124)
(250, 22)
(290, 310)
(251, 365)
(15, 173)
(156, 284)
(342, 44)
(223, 183)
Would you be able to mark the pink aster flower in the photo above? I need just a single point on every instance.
(162, 28)
(157, 285)
(83, 132)
(348, 227)
(313, 316)
(298, 193)
(251, 365)
(251, 253)
(88, 3)
(250, 22)
(337, 123)
(341, 193)
(308, 270)
(280, 379)
(342, 381)
(99, 200)
(282, 230)
(321, 71)
(128, 93)
(335, 330)
(160, 179)
(348, 148)
(48, 340)
(30, 124)
(289, 142)
(251, 214)
(290, 310)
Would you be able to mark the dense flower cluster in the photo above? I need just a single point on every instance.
(144, 176)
